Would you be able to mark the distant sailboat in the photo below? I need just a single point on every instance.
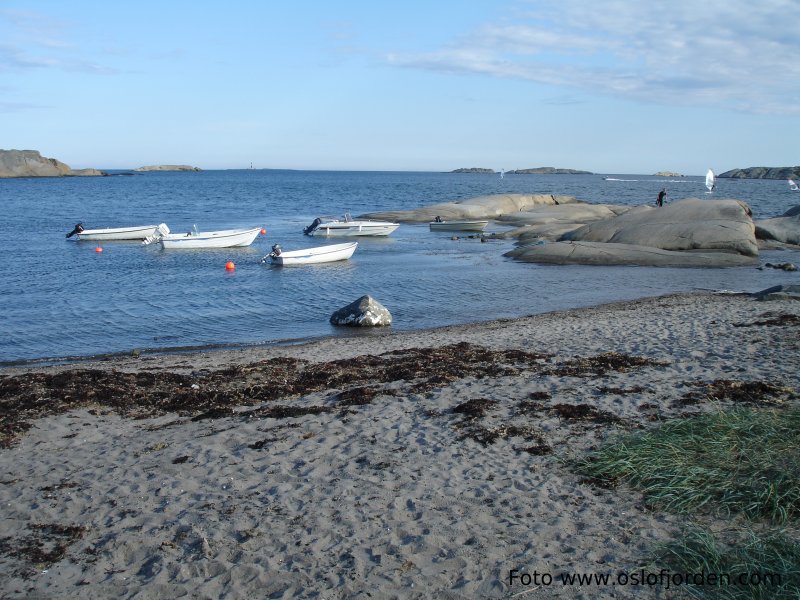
(710, 181)
(502, 173)
(793, 186)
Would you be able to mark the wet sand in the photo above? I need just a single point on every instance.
(392, 465)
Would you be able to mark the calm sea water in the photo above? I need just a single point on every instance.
(59, 298)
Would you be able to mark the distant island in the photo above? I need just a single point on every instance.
(168, 168)
(30, 163)
(549, 171)
(762, 173)
(474, 170)
(668, 174)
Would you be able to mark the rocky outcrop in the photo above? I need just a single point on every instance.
(473, 170)
(600, 253)
(364, 312)
(687, 225)
(779, 292)
(481, 207)
(762, 173)
(549, 171)
(668, 174)
(30, 163)
(168, 168)
(785, 229)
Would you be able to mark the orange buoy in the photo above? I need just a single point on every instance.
(263, 231)
(230, 266)
(98, 249)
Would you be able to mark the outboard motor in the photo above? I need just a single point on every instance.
(276, 250)
(308, 230)
(78, 229)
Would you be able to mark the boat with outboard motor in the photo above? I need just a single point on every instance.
(139, 232)
(311, 256)
(349, 227)
(458, 225)
(194, 239)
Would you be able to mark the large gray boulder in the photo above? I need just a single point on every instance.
(553, 221)
(779, 292)
(364, 312)
(785, 228)
(603, 253)
(691, 224)
(481, 207)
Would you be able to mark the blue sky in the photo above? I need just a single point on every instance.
(611, 86)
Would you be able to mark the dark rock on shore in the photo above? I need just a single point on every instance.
(364, 312)
(762, 173)
(30, 163)
(549, 171)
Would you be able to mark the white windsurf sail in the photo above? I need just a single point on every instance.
(710, 181)
(793, 185)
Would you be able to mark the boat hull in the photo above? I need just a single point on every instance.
(228, 238)
(312, 256)
(118, 233)
(354, 228)
(458, 225)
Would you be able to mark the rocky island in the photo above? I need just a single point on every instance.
(549, 171)
(168, 168)
(474, 170)
(668, 174)
(762, 173)
(30, 163)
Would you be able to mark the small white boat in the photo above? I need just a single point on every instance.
(225, 238)
(348, 227)
(461, 225)
(311, 256)
(140, 232)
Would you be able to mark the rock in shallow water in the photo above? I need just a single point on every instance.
(364, 312)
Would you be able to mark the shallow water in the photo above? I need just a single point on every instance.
(60, 298)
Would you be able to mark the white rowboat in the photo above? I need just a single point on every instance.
(226, 238)
(115, 233)
(349, 228)
(311, 256)
(458, 225)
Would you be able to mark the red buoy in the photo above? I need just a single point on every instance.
(98, 249)
(230, 266)
(263, 231)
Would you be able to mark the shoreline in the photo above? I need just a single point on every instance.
(422, 464)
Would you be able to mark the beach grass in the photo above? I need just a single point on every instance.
(743, 460)
(755, 566)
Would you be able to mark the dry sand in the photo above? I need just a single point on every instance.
(429, 473)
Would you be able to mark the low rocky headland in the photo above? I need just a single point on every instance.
(552, 229)
(168, 168)
(762, 173)
(30, 163)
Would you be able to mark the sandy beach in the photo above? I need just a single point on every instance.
(425, 464)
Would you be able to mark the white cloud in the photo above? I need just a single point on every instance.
(730, 54)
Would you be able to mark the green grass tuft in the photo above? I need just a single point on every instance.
(742, 460)
(769, 565)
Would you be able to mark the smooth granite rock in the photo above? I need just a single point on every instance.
(481, 207)
(779, 292)
(691, 224)
(603, 253)
(785, 228)
(364, 312)
(30, 163)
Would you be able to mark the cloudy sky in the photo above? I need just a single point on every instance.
(611, 86)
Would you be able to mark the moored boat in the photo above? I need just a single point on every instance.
(139, 232)
(225, 238)
(458, 225)
(310, 256)
(350, 227)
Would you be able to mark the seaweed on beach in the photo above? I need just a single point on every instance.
(213, 394)
(584, 412)
(771, 319)
(740, 392)
(601, 364)
(46, 544)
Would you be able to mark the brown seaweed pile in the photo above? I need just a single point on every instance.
(741, 392)
(771, 319)
(44, 545)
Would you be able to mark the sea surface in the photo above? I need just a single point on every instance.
(59, 299)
